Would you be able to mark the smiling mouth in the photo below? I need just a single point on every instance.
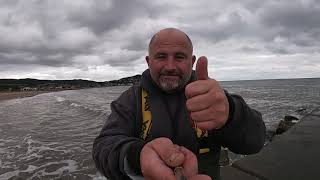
(170, 77)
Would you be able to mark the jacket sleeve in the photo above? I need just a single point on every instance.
(117, 137)
(244, 132)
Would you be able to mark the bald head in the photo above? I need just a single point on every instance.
(168, 33)
(170, 59)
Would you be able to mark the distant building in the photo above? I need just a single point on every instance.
(28, 89)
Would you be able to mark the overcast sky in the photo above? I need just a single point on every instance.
(104, 40)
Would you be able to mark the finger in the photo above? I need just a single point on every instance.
(216, 102)
(152, 166)
(196, 88)
(209, 125)
(202, 68)
(168, 152)
(159, 176)
(200, 177)
(190, 164)
(203, 115)
(200, 102)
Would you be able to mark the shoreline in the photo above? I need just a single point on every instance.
(20, 94)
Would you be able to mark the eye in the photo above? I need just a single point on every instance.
(160, 56)
(180, 56)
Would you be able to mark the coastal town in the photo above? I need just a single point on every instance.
(16, 85)
(20, 88)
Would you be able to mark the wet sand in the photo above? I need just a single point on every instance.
(19, 94)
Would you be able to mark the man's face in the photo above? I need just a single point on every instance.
(170, 60)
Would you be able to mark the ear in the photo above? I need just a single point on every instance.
(193, 59)
(147, 60)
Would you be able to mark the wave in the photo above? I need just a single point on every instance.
(48, 170)
(36, 159)
(82, 109)
(59, 99)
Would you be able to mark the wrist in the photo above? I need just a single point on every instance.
(231, 106)
(133, 156)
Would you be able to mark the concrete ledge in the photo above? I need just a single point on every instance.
(230, 172)
(294, 155)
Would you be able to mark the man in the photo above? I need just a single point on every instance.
(191, 117)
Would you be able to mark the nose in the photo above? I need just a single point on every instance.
(170, 64)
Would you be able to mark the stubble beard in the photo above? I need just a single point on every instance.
(169, 85)
(177, 82)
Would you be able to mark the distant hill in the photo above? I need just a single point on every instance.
(36, 84)
(124, 81)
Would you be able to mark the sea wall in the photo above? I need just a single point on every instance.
(294, 155)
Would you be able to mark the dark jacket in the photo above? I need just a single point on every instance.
(244, 132)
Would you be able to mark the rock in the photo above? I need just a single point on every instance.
(290, 118)
(269, 135)
(224, 157)
(301, 110)
(285, 124)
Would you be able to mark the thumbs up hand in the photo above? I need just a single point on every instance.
(206, 100)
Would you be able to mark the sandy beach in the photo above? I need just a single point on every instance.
(19, 94)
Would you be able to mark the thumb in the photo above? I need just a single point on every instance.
(190, 163)
(202, 68)
(170, 153)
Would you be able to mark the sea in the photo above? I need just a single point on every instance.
(50, 136)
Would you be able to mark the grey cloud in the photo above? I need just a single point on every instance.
(296, 21)
(46, 55)
(264, 22)
(9, 2)
(35, 59)
(102, 16)
(125, 59)
(216, 31)
(253, 5)
(116, 33)
(249, 49)
(137, 43)
(292, 14)
(278, 50)
(49, 20)
(35, 37)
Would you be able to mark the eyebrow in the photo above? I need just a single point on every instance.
(181, 53)
(176, 53)
(160, 53)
